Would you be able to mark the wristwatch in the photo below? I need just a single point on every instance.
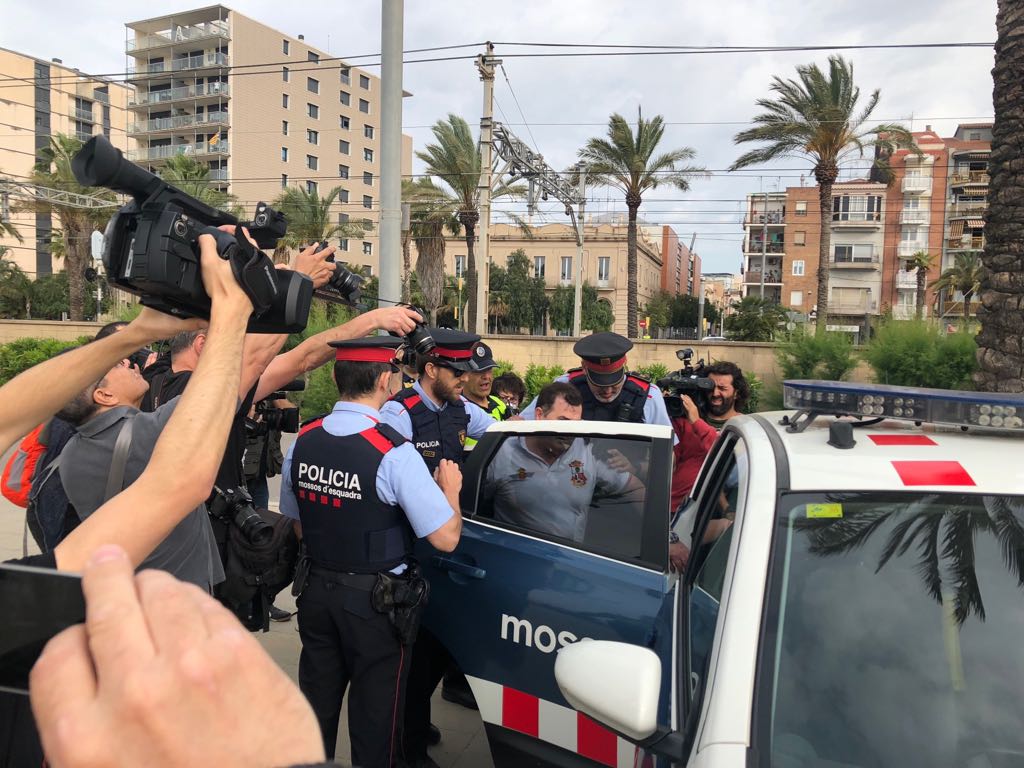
(673, 537)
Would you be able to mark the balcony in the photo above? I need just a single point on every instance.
(775, 218)
(169, 95)
(82, 136)
(917, 184)
(969, 179)
(218, 174)
(100, 96)
(188, 64)
(178, 123)
(756, 246)
(913, 216)
(855, 262)
(206, 31)
(851, 306)
(906, 280)
(858, 220)
(967, 210)
(967, 243)
(771, 277)
(908, 248)
(162, 153)
(83, 114)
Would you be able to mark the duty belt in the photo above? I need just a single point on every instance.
(364, 581)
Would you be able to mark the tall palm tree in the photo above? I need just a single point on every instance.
(309, 218)
(964, 277)
(628, 162)
(1000, 357)
(815, 117)
(921, 262)
(454, 159)
(193, 177)
(433, 212)
(53, 169)
(15, 289)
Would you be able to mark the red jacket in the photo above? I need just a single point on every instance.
(695, 441)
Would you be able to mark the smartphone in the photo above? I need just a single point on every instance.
(36, 604)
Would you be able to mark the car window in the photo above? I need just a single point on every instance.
(587, 492)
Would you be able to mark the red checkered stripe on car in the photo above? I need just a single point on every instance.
(914, 472)
(554, 723)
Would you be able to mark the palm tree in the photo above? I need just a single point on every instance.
(921, 262)
(433, 211)
(193, 177)
(15, 289)
(53, 169)
(964, 277)
(454, 159)
(1000, 357)
(627, 161)
(309, 218)
(815, 117)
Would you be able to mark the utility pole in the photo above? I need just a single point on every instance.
(486, 64)
(390, 243)
(577, 310)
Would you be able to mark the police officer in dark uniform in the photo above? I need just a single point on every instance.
(361, 494)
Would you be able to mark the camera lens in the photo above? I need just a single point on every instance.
(252, 525)
(420, 340)
(347, 283)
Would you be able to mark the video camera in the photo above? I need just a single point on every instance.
(270, 417)
(151, 246)
(689, 380)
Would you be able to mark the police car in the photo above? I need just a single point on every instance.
(854, 594)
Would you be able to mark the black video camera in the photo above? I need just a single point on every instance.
(269, 417)
(151, 246)
(234, 506)
(690, 381)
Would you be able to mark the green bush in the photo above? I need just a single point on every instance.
(756, 391)
(807, 356)
(320, 394)
(538, 376)
(916, 353)
(504, 366)
(21, 354)
(652, 372)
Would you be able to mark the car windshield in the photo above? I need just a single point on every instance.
(895, 634)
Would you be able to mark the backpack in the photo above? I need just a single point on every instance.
(254, 574)
(16, 481)
(49, 516)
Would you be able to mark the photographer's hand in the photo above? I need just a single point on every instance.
(313, 262)
(162, 675)
(400, 320)
(692, 411)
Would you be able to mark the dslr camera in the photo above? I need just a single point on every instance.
(234, 506)
(689, 380)
(270, 418)
(151, 246)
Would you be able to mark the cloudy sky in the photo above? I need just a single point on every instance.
(563, 100)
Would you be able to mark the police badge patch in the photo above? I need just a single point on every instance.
(578, 477)
(462, 437)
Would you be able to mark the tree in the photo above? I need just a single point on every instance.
(755, 319)
(193, 177)
(53, 169)
(964, 277)
(922, 262)
(309, 218)
(15, 290)
(626, 161)
(596, 314)
(1000, 352)
(518, 299)
(432, 213)
(815, 117)
(454, 158)
(659, 311)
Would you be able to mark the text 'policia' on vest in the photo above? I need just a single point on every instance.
(603, 356)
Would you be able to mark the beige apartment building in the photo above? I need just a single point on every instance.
(552, 251)
(42, 98)
(263, 110)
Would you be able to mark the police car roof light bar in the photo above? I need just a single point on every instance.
(990, 410)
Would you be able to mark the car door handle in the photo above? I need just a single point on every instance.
(456, 566)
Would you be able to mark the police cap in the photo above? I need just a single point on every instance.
(453, 348)
(482, 358)
(372, 349)
(604, 357)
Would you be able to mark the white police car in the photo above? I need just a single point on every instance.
(854, 595)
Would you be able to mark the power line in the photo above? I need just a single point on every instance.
(519, 107)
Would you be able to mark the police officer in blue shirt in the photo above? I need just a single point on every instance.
(361, 494)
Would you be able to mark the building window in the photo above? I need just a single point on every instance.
(284, 100)
(367, 201)
(344, 122)
(566, 274)
(285, 46)
(604, 268)
(798, 268)
(313, 137)
(852, 254)
(342, 171)
(313, 111)
(801, 208)
(368, 155)
(346, 78)
(799, 238)
(311, 187)
(312, 85)
(364, 82)
(974, 136)
(538, 265)
(343, 218)
(856, 207)
(364, 106)
(284, 74)
(284, 154)
(346, 98)
(312, 162)
(367, 131)
(284, 127)
(343, 197)
(367, 249)
(368, 178)
(343, 243)
(796, 298)
(310, 56)
(284, 181)
(343, 146)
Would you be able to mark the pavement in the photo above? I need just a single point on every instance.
(463, 740)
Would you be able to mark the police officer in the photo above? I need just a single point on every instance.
(360, 495)
(477, 389)
(609, 391)
(432, 413)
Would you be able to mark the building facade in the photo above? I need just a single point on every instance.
(263, 110)
(680, 266)
(764, 245)
(722, 289)
(41, 99)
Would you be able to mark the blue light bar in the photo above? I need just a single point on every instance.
(994, 410)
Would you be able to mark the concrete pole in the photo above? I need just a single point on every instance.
(485, 64)
(577, 310)
(391, 150)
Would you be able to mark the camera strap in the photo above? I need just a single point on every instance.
(119, 461)
(255, 273)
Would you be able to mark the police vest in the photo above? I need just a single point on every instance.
(345, 525)
(436, 435)
(628, 406)
(496, 408)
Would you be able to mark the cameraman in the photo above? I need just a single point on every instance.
(263, 456)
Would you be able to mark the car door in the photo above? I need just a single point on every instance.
(524, 582)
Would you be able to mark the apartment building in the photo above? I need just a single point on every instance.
(764, 227)
(552, 251)
(680, 267)
(722, 289)
(263, 110)
(42, 98)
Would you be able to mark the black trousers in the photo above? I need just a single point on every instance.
(430, 659)
(346, 643)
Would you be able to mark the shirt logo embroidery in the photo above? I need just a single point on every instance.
(578, 477)
(462, 437)
(522, 474)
